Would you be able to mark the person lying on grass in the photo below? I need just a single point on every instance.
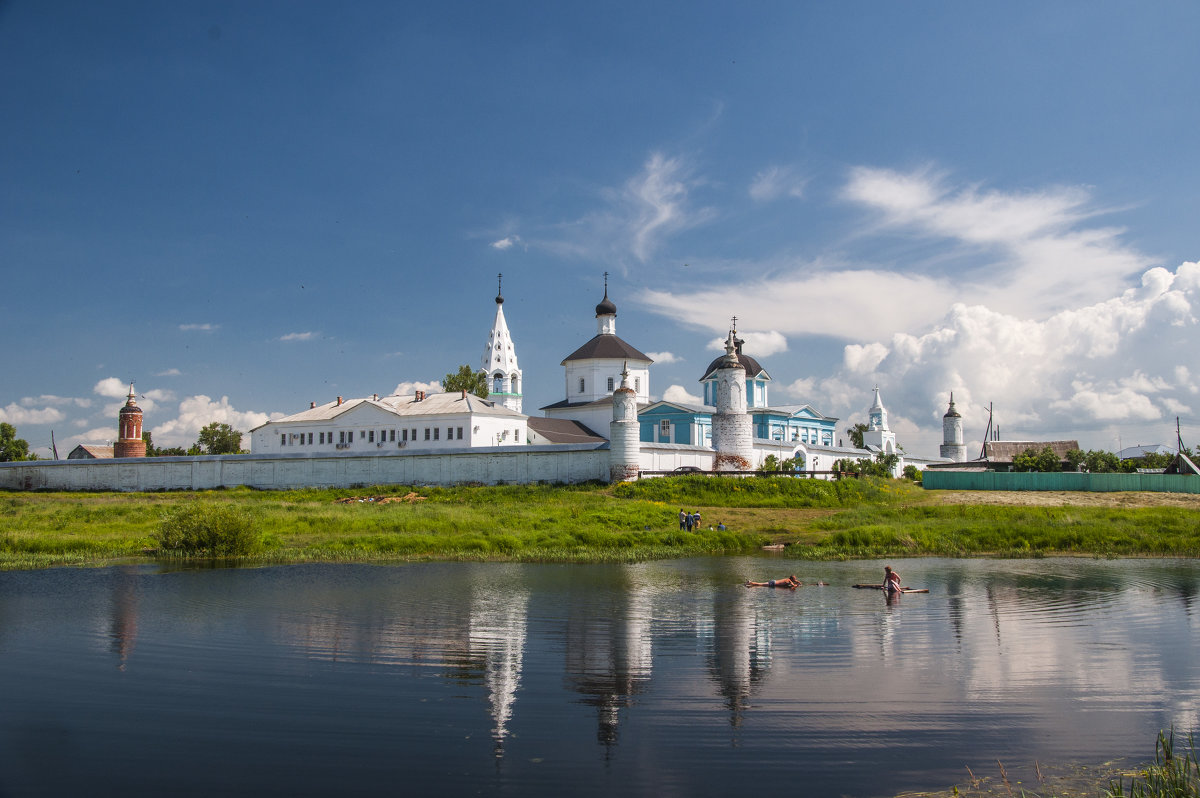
(790, 582)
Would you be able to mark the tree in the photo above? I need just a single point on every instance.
(913, 473)
(770, 465)
(13, 448)
(856, 435)
(1033, 460)
(468, 380)
(218, 438)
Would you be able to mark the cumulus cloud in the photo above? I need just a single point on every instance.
(679, 395)
(18, 414)
(662, 358)
(506, 242)
(408, 388)
(298, 336)
(775, 182)
(802, 388)
(199, 327)
(1122, 361)
(99, 436)
(196, 412)
(111, 388)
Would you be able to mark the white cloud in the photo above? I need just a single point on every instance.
(657, 197)
(199, 327)
(803, 389)
(111, 388)
(408, 388)
(506, 242)
(775, 182)
(848, 304)
(99, 436)
(298, 336)
(863, 359)
(169, 373)
(1069, 372)
(54, 401)
(679, 395)
(757, 344)
(662, 358)
(1036, 260)
(17, 415)
(195, 412)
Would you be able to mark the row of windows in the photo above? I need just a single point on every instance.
(368, 435)
(637, 384)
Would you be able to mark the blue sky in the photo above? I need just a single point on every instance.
(249, 206)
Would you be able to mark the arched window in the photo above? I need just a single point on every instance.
(516, 384)
(498, 384)
(581, 384)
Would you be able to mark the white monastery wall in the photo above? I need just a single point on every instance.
(513, 464)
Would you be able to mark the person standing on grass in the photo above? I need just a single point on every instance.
(682, 518)
(696, 519)
(688, 520)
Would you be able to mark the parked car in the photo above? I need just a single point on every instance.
(688, 469)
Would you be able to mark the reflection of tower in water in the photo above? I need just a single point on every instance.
(497, 635)
(123, 631)
(609, 652)
(740, 653)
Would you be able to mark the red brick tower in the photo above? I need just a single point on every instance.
(129, 430)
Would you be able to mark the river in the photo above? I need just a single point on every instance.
(659, 678)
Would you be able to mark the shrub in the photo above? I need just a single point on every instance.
(209, 529)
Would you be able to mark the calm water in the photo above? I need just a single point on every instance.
(664, 678)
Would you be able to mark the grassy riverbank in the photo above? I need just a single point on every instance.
(630, 521)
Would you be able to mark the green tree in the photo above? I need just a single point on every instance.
(856, 435)
(468, 380)
(13, 448)
(770, 465)
(1033, 460)
(1101, 462)
(218, 438)
(149, 441)
(913, 473)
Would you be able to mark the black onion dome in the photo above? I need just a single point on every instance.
(952, 413)
(606, 306)
(753, 369)
(128, 408)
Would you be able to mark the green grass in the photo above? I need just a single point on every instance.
(596, 523)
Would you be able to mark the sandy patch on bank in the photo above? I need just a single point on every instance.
(1059, 498)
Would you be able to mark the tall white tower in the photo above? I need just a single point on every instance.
(624, 434)
(952, 447)
(733, 434)
(877, 433)
(499, 362)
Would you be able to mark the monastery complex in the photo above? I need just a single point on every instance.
(606, 427)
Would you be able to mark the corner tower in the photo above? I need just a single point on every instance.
(952, 447)
(624, 434)
(129, 429)
(499, 362)
(733, 434)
